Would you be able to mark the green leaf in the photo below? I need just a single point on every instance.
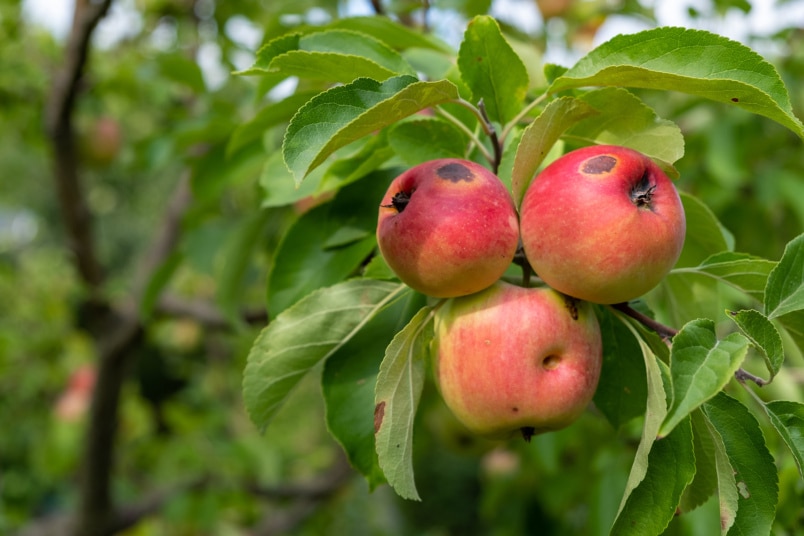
(348, 385)
(369, 157)
(683, 297)
(754, 470)
(785, 290)
(671, 467)
(655, 411)
(307, 258)
(728, 496)
(329, 66)
(492, 70)
(399, 388)
(358, 44)
(377, 268)
(238, 253)
(277, 184)
(705, 234)
(743, 272)
(793, 325)
(392, 33)
(269, 51)
(331, 55)
(705, 482)
(427, 139)
(621, 392)
(700, 366)
(306, 334)
(346, 113)
(690, 61)
(763, 335)
(539, 137)
(623, 119)
(270, 116)
(788, 419)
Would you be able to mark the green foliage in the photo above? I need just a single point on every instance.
(399, 387)
(285, 185)
(641, 376)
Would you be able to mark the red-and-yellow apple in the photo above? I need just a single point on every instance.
(603, 224)
(512, 360)
(448, 227)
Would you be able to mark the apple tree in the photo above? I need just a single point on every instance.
(693, 392)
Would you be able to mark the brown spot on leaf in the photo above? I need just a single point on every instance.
(735, 99)
(598, 165)
(379, 413)
(455, 173)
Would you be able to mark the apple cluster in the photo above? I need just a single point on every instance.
(603, 224)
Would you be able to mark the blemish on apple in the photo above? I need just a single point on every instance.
(455, 173)
(598, 165)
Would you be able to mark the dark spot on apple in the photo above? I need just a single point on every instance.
(735, 99)
(515, 409)
(598, 165)
(642, 192)
(551, 362)
(455, 173)
(572, 306)
(527, 432)
(399, 201)
(379, 414)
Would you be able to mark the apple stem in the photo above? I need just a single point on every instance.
(522, 261)
(488, 128)
(492, 133)
(463, 128)
(665, 332)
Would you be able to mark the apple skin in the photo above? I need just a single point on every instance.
(448, 227)
(513, 360)
(602, 224)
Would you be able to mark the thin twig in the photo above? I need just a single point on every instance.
(665, 332)
(742, 375)
(492, 132)
(472, 136)
(525, 111)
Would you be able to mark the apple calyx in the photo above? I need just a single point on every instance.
(642, 192)
(400, 200)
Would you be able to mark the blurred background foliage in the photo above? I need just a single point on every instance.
(159, 103)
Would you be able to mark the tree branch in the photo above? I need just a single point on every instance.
(60, 130)
(96, 513)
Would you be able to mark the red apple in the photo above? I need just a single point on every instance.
(511, 359)
(603, 224)
(101, 143)
(448, 227)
